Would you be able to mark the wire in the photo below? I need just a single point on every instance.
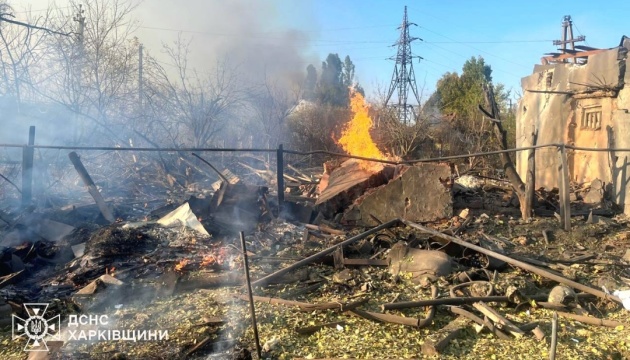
(580, 33)
(38, 10)
(472, 47)
(261, 35)
(487, 42)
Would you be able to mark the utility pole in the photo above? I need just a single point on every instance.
(140, 82)
(79, 56)
(567, 37)
(404, 77)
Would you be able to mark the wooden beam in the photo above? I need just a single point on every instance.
(547, 59)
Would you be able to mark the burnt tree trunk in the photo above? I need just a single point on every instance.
(506, 159)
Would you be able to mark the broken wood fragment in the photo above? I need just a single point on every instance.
(92, 189)
(326, 229)
(538, 333)
(520, 264)
(212, 167)
(554, 337)
(265, 280)
(312, 329)
(498, 318)
(493, 329)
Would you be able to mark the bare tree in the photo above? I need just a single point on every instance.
(22, 49)
(272, 103)
(93, 73)
(196, 105)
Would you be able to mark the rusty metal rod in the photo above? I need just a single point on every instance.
(386, 318)
(251, 296)
(443, 301)
(591, 320)
(520, 264)
(466, 300)
(265, 280)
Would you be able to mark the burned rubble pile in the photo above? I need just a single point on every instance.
(357, 262)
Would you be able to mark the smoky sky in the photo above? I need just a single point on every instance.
(253, 35)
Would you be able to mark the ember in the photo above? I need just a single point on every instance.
(208, 260)
(181, 264)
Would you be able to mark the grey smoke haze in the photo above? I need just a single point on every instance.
(254, 36)
(250, 34)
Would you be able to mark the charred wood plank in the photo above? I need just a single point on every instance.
(498, 318)
(87, 180)
(325, 228)
(498, 333)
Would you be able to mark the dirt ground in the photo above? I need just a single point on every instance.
(190, 316)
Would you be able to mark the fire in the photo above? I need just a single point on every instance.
(208, 260)
(181, 264)
(355, 137)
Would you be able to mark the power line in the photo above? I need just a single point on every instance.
(260, 35)
(472, 47)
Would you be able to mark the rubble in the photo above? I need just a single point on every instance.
(320, 282)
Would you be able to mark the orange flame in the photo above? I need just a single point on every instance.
(355, 137)
(208, 260)
(181, 264)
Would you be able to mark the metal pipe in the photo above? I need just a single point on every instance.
(251, 296)
(265, 280)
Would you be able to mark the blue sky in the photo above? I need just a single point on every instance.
(512, 36)
(453, 31)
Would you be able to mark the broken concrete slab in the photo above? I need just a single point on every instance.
(349, 181)
(595, 195)
(417, 193)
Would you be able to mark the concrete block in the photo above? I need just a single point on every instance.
(419, 193)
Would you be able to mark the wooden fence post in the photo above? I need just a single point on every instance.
(27, 168)
(530, 178)
(280, 178)
(565, 200)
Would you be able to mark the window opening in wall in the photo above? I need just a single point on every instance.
(549, 79)
(592, 118)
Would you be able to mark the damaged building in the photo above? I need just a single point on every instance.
(580, 98)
